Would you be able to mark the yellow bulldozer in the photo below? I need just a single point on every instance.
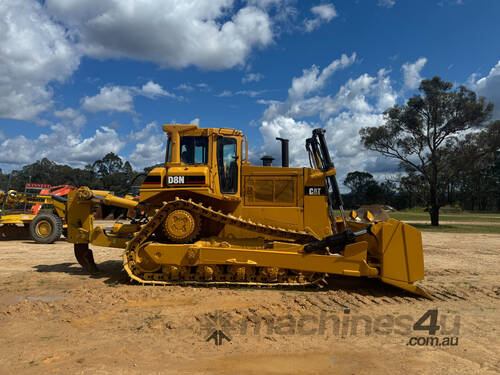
(210, 217)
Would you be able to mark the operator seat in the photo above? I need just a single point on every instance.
(186, 157)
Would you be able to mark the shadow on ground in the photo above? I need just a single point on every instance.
(19, 233)
(367, 287)
(111, 271)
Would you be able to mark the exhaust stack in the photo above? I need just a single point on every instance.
(285, 161)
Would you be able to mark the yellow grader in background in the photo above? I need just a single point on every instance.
(210, 217)
(43, 226)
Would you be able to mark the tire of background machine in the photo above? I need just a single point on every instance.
(55, 228)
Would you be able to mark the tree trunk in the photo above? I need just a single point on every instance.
(435, 215)
(434, 206)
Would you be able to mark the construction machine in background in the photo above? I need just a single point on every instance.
(44, 220)
(210, 217)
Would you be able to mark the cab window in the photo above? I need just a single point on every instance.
(227, 160)
(168, 154)
(194, 150)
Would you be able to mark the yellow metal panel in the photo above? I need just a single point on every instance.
(79, 218)
(316, 215)
(16, 219)
(394, 259)
(414, 252)
(198, 254)
(403, 254)
(284, 217)
(270, 190)
(98, 238)
(252, 170)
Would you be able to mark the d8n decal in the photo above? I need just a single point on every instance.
(185, 180)
(175, 180)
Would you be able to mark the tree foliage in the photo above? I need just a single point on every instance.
(109, 173)
(422, 133)
(364, 189)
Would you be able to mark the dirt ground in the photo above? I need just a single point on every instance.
(54, 318)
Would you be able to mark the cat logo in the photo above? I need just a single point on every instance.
(313, 190)
(175, 180)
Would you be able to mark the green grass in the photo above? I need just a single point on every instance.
(418, 214)
(479, 217)
(458, 228)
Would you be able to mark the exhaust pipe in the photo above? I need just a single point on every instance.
(285, 161)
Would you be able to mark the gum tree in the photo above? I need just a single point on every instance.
(417, 133)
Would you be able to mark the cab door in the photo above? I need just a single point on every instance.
(228, 164)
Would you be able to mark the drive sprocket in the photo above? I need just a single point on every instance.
(181, 226)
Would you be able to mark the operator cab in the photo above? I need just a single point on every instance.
(196, 156)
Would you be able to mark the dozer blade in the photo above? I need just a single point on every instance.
(408, 287)
(85, 257)
(402, 255)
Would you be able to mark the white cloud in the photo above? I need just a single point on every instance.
(312, 80)
(34, 51)
(121, 98)
(62, 145)
(42, 42)
(252, 77)
(112, 98)
(185, 87)
(363, 94)
(190, 87)
(289, 128)
(322, 13)
(153, 90)
(386, 96)
(386, 3)
(342, 133)
(357, 103)
(149, 146)
(489, 87)
(72, 116)
(225, 93)
(207, 34)
(250, 93)
(265, 3)
(411, 73)
(325, 11)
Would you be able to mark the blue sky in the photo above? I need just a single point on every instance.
(81, 79)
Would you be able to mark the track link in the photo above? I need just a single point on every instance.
(188, 277)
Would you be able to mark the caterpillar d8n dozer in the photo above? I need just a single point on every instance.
(210, 217)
